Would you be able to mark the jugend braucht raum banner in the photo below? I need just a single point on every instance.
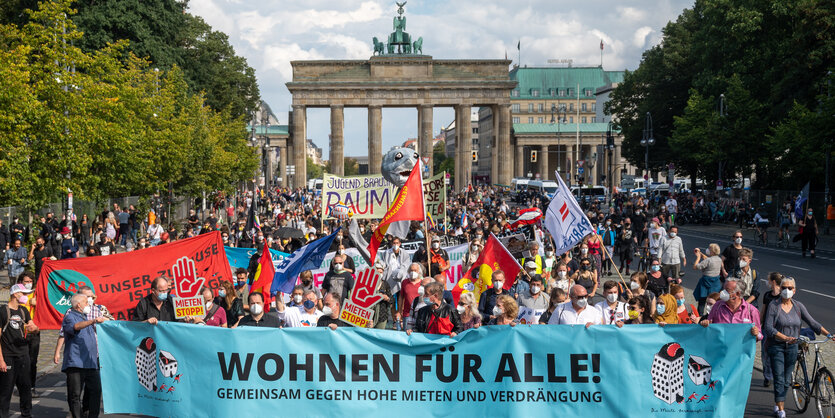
(186, 370)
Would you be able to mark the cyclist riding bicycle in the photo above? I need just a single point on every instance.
(784, 219)
(762, 223)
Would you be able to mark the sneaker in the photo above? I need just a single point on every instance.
(767, 383)
(776, 409)
(781, 414)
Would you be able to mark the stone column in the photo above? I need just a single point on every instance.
(520, 161)
(300, 146)
(494, 145)
(425, 136)
(543, 168)
(505, 151)
(282, 165)
(463, 146)
(375, 139)
(337, 145)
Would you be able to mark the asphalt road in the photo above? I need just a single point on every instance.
(816, 289)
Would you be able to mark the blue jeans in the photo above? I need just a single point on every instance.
(783, 358)
(766, 359)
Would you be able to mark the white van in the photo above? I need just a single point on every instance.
(546, 187)
(587, 193)
(519, 184)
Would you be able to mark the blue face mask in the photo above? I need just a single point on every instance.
(427, 301)
(660, 308)
(221, 293)
(308, 304)
(656, 268)
(162, 295)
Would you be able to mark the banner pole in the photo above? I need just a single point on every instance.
(425, 225)
(605, 251)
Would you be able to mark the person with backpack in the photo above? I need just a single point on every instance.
(69, 246)
(745, 273)
(437, 317)
(15, 367)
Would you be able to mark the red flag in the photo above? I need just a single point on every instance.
(407, 206)
(493, 257)
(264, 275)
(601, 44)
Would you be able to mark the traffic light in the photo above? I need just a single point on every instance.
(475, 156)
(533, 155)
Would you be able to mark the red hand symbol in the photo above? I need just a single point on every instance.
(186, 282)
(364, 294)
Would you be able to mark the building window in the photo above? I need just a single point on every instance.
(571, 107)
(515, 107)
(594, 107)
(584, 119)
(535, 93)
(530, 107)
(553, 92)
(541, 107)
(570, 92)
(516, 119)
(571, 119)
(588, 92)
(562, 93)
(515, 93)
(530, 119)
(583, 106)
(475, 130)
(594, 119)
(540, 120)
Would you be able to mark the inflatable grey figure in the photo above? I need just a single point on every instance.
(398, 164)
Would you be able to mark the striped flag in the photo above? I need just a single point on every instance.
(564, 219)
(263, 279)
(430, 221)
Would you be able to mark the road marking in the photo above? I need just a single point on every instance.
(819, 294)
(750, 245)
(794, 267)
(59, 383)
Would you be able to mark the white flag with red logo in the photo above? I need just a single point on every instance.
(564, 219)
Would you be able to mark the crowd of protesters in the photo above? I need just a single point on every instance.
(629, 271)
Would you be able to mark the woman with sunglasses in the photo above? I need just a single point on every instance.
(783, 320)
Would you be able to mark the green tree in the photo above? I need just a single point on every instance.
(314, 171)
(352, 167)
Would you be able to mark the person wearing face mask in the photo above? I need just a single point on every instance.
(81, 363)
(330, 314)
(665, 310)
(487, 300)
(595, 252)
(639, 312)
(505, 312)
(548, 263)
(733, 309)
(774, 279)
(638, 287)
(627, 242)
(746, 274)
(535, 299)
(571, 264)
(15, 366)
(783, 319)
(240, 284)
(535, 259)
(614, 311)
(639, 220)
(296, 297)
(349, 265)
(257, 316)
(809, 233)
(382, 310)
(156, 306)
(305, 315)
(473, 253)
(686, 314)
(409, 291)
(215, 315)
(672, 255)
(418, 303)
(33, 339)
(657, 281)
(337, 280)
(656, 234)
(577, 311)
(562, 280)
(523, 281)
(437, 317)
(439, 258)
(730, 255)
(397, 263)
(557, 296)
(586, 277)
(609, 237)
(711, 268)
(468, 312)
(306, 277)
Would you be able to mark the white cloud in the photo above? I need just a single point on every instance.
(639, 39)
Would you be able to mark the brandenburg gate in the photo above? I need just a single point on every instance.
(397, 77)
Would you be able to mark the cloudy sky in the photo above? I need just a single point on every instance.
(271, 33)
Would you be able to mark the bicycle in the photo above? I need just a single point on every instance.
(762, 233)
(821, 387)
(783, 237)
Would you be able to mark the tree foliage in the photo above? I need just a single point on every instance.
(767, 57)
(103, 123)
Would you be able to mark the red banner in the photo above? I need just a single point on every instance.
(121, 280)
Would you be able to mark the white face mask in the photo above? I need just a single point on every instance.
(787, 293)
(327, 311)
(396, 247)
(612, 297)
(582, 303)
(421, 290)
(498, 285)
(743, 263)
(549, 253)
(297, 299)
(340, 251)
(414, 275)
(208, 305)
(435, 245)
(461, 309)
(672, 234)
(337, 267)
(535, 289)
(256, 309)
(86, 310)
(635, 285)
(584, 250)
(497, 311)
(708, 308)
(724, 295)
(738, 240)
(28, 286)
(562, 274)
(90, 301)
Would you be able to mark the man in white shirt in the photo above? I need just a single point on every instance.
(672, 207)
(396, 262)
(656, 234)
(613, 310)
(302, 316)
(577, 311)
(671, 253)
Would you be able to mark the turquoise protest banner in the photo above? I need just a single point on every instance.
(182, 370)
(239, 257)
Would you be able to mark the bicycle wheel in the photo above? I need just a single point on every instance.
(825, 393)
(799, 385)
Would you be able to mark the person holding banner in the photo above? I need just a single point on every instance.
(338, 281)
(468, 311)
(330, 314)
(614, 311)
(81, 358)
(157, 305)
(215, 315)
(639, 311)
(577, 311)
(409, 292)
(505, 312)
(257, 317)
(15, 323)
(437, 317)
(558, 297)
(302, 316)
(487, 300)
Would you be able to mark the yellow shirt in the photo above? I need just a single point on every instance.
(28, 306)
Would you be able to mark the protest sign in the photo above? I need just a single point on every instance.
(527, 370)
(188, 307)
(357, 310)
(529, 315)
(121, 280)
(434, 194)
(368, 197)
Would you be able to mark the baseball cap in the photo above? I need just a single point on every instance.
(20, 288)
(436, 239)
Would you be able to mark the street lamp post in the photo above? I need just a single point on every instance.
(610, 148)
(265, 121)
(646, 142)
(555, 119)
(722, 113)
